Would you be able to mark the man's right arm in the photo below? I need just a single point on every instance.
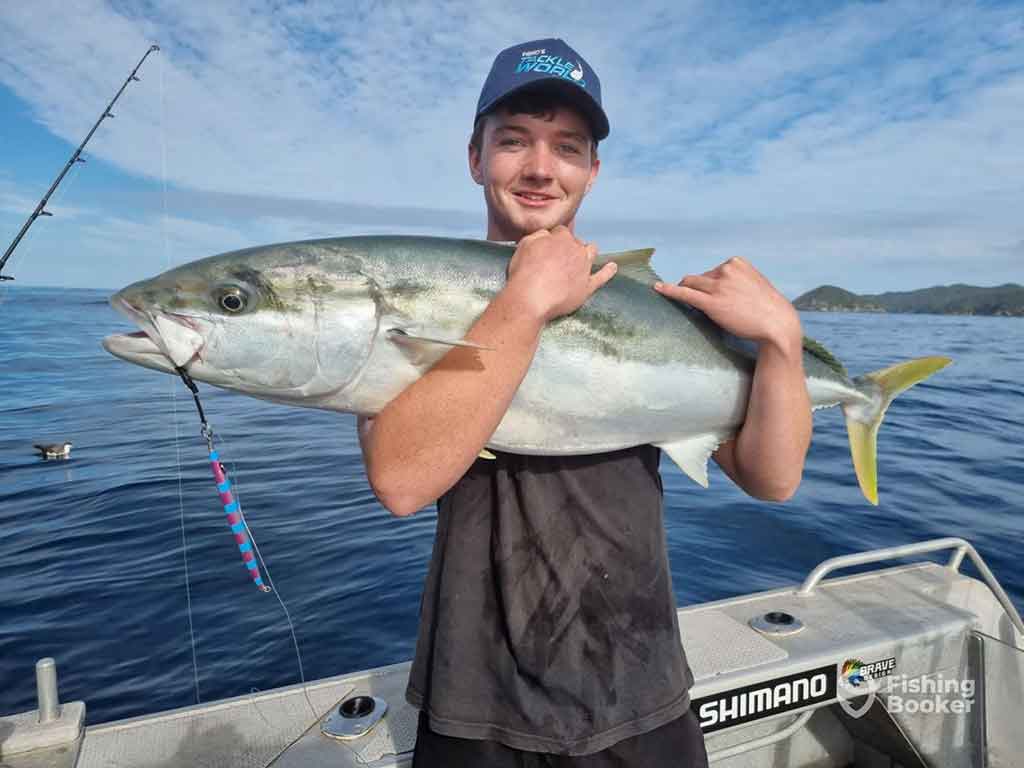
(425, 439)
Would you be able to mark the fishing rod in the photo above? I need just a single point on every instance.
(75, 158)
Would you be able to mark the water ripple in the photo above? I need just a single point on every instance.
(92, 554)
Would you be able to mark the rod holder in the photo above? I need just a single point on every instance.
(49, 726)
(46, 690)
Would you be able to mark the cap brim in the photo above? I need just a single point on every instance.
(572, 93)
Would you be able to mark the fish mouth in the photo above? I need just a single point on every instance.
(139, 349)
(167, 341)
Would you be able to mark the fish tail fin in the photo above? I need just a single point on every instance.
(863, 419)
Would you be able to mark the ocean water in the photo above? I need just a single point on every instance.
(91, 556)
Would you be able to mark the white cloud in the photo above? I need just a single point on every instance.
(18, 204)
(818, 142)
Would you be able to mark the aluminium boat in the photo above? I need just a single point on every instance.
(905, 666)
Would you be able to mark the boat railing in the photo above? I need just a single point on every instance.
(763, 741)
(961, 547)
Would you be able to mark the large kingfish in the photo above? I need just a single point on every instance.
(347, 323)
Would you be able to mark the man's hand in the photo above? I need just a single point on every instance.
(766, 457)
(549, 274)
(741, 300)
(425, 439)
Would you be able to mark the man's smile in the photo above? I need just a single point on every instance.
(533, 199)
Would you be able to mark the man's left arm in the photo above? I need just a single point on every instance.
(766, 457)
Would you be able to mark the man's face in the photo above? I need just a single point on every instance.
(534, 170)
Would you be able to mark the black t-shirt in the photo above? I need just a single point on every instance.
(548, 621)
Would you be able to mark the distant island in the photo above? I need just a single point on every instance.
(959, 299)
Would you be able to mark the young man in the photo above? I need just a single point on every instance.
(548, 631)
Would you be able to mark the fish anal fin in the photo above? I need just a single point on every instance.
(635, 265)
(691, 454)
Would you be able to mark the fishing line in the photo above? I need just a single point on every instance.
(184, 542)
(274, 589)
(247, 545)
(174, 397)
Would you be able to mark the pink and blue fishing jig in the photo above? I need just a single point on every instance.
(231, 506)
(234, 513)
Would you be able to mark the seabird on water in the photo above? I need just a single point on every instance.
(54, 450)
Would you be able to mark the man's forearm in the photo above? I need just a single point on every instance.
(770, 448)
(425, 439)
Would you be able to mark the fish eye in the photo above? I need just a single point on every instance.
(232, 300)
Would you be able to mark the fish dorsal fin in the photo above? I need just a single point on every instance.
(635, 265)
(692, 454)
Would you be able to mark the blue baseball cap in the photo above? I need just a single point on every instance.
(548, 63)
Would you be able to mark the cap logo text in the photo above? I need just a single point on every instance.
(553, 65)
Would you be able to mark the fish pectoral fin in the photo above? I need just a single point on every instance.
(635, 265)
(692, 453)
(403, 336)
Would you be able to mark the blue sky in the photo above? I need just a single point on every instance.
(874, 146)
